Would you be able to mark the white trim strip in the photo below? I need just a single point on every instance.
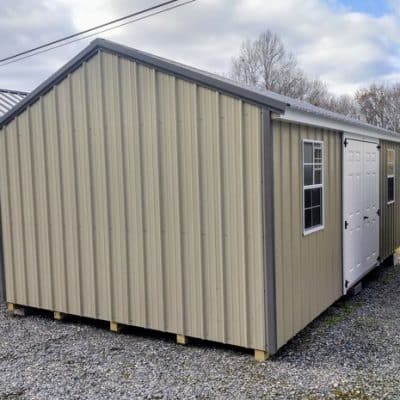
(304, 118)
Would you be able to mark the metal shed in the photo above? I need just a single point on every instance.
(143, 192)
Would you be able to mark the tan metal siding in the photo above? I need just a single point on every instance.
(390, 213)
(308, 268)
(6, 217)
(134, 196)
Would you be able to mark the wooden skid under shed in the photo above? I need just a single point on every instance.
(116, 327)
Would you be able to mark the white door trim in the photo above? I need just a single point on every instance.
(359, 138)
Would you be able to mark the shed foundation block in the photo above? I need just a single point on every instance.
(261, 355)
(115, 327)
(59, 316)
(11, 307)
(16, 309)
(182, 339)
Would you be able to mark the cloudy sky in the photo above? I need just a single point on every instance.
(347, 43)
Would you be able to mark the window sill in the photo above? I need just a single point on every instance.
(390, 202)
(313, 230)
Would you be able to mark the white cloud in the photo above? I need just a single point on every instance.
(346, 49)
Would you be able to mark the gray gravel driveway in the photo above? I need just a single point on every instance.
(351, 352)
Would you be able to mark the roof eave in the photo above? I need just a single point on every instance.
(307, 118)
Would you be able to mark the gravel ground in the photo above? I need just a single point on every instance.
(351, 352)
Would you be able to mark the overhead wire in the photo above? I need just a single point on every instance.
(2, 64)
(88, 30)
(24, 55)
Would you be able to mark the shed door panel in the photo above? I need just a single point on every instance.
(371, 201)
(360, 206)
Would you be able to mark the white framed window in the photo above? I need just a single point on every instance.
(313, 186)
(390, 172)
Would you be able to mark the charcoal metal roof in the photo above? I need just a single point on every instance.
(9, 99)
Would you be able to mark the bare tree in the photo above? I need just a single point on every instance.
(372, 102)
(316, 93)
(266, 64)
(246, 68)
(344, 104)
(393, 108)
(380, 105)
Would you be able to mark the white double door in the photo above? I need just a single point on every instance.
(360, 209)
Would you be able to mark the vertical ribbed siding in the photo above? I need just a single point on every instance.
(308, 268)
(390, 213)
(6, 216)
(135, 196)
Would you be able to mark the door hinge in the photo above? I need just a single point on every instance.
(346, 284)
(346, 224)
(345, 142)
(378, 146)
(378, 212)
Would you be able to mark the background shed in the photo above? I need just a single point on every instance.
(9, 99)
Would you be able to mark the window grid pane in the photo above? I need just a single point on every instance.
(390, 173)
(308, 153)
(390, 188)
(308, 175)
(312, 184)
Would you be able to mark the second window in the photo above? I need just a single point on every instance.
(313, 173)
(390, 168)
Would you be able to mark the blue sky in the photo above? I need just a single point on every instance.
(375, 8)
(348, 44)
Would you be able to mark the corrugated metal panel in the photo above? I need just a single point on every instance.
(390, 213)
(134, 196)
(2, 279)
(8, 99)
(308, 268)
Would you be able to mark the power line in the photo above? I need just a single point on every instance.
(89, 30)
(96, 33)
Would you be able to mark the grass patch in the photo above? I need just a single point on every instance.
(338, 313)
(347, 307)
(340, 394)
(331, 320)
(353, 394)
(387, 278)
(12, 395)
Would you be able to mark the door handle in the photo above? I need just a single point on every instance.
(365, 217)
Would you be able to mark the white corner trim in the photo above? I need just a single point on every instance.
(305, 118)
